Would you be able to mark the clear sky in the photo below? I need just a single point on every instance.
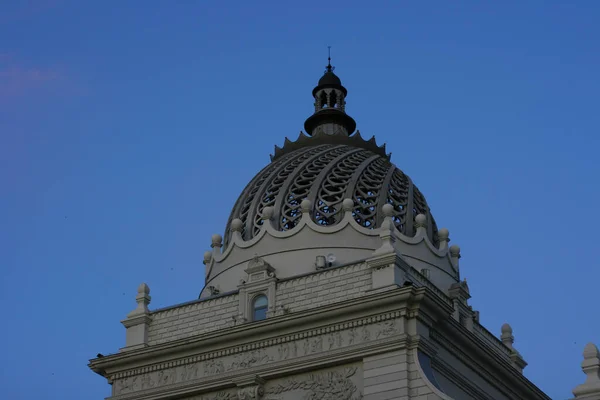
(128, 129)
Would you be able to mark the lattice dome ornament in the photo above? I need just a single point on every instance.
(326, 174)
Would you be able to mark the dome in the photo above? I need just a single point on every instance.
(328, 194)
(330, 79)
(326, 172)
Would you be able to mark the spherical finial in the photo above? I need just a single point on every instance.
(267, 213)
(237, 225)
(443, 235)
(348, 205)
(506, 329)
(143, 289)
(217, 240)
(306, 205)
(388, 210)
(207, 257)
(421, 220)
(455, 250)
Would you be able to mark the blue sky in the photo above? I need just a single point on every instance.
(128, 129)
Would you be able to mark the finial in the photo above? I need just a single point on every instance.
(142, 299)
(590, 389)
(421, 221)
(455, 251)
(444, 235)
(237, 225)
(507, 335)
(590, 351)
(268, 213)
(348, 205)
(306, 206)
(207, 257)
(388, 210)
(143, 289)
(329, 68)
(216, 241)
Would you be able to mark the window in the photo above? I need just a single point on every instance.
(259, 307)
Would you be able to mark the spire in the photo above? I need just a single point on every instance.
(329, 68)
(330, 106)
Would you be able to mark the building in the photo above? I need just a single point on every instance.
(332, 282)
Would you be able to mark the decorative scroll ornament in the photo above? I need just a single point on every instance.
(251, 392)
(332, 385)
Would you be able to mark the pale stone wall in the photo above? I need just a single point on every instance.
(299, 294)
(323, 288)
(386, 376)
(455, 377)
(191, 319)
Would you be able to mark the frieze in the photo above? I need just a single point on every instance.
(329, 385)
(250, 359)
(250, 356)
(228, 395)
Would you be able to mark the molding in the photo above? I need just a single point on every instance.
(466, 345)
(173, 382)
(137, 320)
(306, 222)
(339, 342)
(257, 345)
(394, 299)
(442, 368)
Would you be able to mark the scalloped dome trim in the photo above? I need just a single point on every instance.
(321, 138)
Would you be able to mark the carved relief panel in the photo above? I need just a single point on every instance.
(339, 383)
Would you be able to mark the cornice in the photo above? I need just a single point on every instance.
(399, 303)
(397, 299)
(137, 320)
(469, 387)
(466, 345)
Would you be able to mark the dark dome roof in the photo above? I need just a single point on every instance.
(326, 174)
(329, 79)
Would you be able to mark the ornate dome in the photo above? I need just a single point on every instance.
(330, 192)
(327, 169)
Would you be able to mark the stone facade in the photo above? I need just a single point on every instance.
(340, 338)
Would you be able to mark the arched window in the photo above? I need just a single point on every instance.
(333, 99)
(259, 307)
(323, 99)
